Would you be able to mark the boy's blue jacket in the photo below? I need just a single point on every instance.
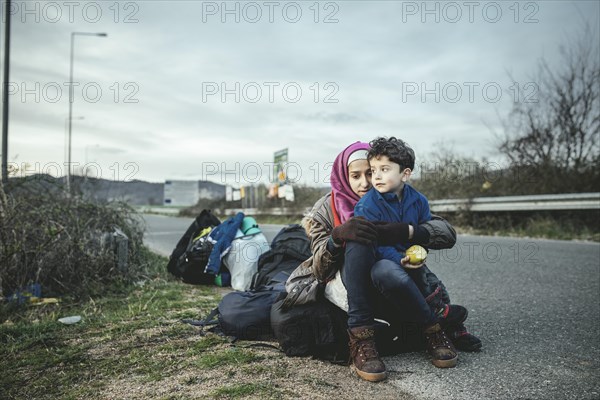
(413, 210)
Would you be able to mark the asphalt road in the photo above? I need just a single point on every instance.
(163, 233)
(534, 303)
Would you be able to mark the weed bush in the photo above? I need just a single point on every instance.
(563, 225)
(55, 240)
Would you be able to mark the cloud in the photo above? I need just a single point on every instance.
(387, 72)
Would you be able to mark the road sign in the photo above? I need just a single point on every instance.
(280, 159)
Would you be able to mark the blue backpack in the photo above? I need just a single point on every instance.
(244, 315)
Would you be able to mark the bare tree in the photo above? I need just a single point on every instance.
(556, 138)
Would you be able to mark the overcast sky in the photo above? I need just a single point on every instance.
(184, 89)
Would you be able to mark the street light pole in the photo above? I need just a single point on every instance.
(7, 12)
(71, 99)
(70, 115)
(66, 138)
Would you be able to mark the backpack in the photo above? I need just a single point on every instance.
(244, 315)
(190, 256)
(320, 330)
(315, 329)
(289, 248)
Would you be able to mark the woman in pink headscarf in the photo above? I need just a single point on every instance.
(343, 255)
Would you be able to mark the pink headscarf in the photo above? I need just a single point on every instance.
(344, 198)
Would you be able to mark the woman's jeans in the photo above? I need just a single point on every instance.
(381, 289)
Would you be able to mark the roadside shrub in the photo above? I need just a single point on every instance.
(563, 225)
(56, 240)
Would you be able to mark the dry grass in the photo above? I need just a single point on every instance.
(133, 346)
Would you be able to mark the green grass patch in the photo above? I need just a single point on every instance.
(230, 356)
(208, 342)
(133, 333)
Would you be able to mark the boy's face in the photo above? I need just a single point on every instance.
(386, 175)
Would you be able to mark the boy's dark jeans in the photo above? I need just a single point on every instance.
(367, 280)
(431, 287)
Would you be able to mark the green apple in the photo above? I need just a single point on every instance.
(416, 254)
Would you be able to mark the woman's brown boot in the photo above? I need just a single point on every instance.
(443, 353)
(364, 359)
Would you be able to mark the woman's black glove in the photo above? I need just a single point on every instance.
(356, 229)
(391, 233)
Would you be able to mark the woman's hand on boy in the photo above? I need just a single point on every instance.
(392, 233)
(356, 229)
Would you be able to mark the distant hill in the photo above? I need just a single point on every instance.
(134, 192)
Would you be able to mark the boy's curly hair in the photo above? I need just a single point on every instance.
(394, 149)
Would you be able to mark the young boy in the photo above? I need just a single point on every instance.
(392, 162)
(393, 200)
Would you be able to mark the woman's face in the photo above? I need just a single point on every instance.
(359, 176)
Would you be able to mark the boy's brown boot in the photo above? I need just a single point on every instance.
(443, 353)
(364, 359)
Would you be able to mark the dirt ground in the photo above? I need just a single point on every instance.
(274, 376)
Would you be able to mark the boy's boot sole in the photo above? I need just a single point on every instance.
(451, 363)
(369, 376)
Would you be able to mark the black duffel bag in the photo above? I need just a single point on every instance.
(189, 258)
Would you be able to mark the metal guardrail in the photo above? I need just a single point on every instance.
(543, 202)
(159, 210)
